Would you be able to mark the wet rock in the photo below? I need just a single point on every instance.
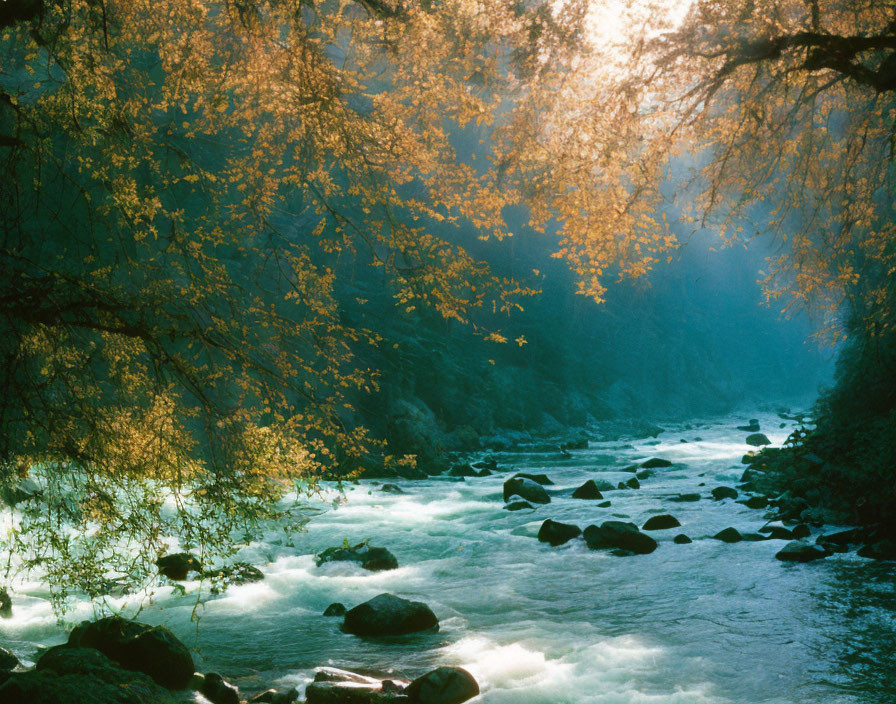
(177, 566)
(603, 485)
(152, 650)
(632, 483)
(605, 504)
(617, 534)
(391, 489)
(844, 537)
(388, 615)
(444, 685)
(801, 551)
(661, 522)
(465, 470)
(335, 609)
(752, 427)
(750, 475)
(588, 490)
(73, 675)
(682, 539)
(729, 535)
(5, 604)
(777, 532)
(525, 489)
(517, 506)
(879, 550)
(238, 573)
(656, 463)
(758, 440)
(272, 696)
(218, 691)
(755, 502)
(343, 693)
(685, 498)
(489, 463)
(542, 479)
(801, 531)
(724, 492)
(370, 558)
(557, 533)
(632, 468)
(8, 661)
(754, 537)
(645, 474)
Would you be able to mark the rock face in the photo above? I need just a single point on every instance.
(801, 551)
(70, 675)
(152, 650)
(557, 533)
(370, 558)
(588, 490)
(724, 492)
(619, 535)
(729, 535)
(389, 615)
(444, 685)
(178, 565)
(661, 522)
(525, 489)
(758, 440)
(656, 463)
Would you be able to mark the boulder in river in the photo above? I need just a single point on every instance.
(661, 522)
(238, 573)
(489, 463)
(755, 502)
(729, 535)
(444, 685)
(218, 691)
(370, 558)
(724, 492)
(518, 506)
(272, 696)
(526, 489)
(656, 463)
(621, 535)
(605, 504)
(588, 490)
(758, 440)
(557, 533)
(603, 485)
(8, 661)
(73, 675)
(684, 498)
(178, 565)
(335, 609)
(879, 550)
(751, 427)
(466, 470)
(681, 539)
(801, 551)
(391, 489)
(389, 615)
(542, 479)
(153, 650)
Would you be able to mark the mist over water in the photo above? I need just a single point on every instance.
(705, 622)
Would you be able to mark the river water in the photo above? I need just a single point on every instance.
(707, 622)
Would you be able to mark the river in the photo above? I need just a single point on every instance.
(706, 622)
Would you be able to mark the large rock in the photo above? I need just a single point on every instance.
(758, 439)
(557, 533)
(620, 535)
(724, 492)
(588, 490)
(389, 615)
(526, 489)
(370, 558)
(335, 609)
(178, 565)
(70, 675)
(272, 696)
(801, 551)
(729, 535)
(661, 522)
(153, 650)
(444, 685)
(369, 691)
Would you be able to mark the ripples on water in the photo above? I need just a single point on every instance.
(701, 623)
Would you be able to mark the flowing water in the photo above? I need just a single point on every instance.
(698, 623)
